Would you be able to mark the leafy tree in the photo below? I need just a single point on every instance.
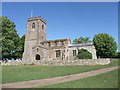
(20, 48)
(82, 40)
(84, 54)
(0, 41)
(105, 45)
(9, 38)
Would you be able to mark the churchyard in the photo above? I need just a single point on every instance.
(17, 73)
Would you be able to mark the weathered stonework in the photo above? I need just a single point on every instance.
(38, 48)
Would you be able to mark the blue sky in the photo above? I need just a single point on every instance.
(73, 20)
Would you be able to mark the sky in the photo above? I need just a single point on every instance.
(66, 19)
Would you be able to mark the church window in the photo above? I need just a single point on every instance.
(58, 53)
(62, 43)
(74, 52)
(55, 43)
(49, 44)
(33, 25)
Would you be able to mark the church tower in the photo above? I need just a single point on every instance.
(35, 33)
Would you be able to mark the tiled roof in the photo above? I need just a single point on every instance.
(80, 45)
(55, 40)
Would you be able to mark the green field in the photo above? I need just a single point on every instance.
(106, 80)
(35, 72)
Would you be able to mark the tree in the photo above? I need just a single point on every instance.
(105, 45)
(84, 54)
(9, 38)
(82, 40)
(20, 47)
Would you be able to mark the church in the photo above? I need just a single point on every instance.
(36, 46)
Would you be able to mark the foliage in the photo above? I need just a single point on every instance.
(82, 40)
(105, 45)
(20, 47)
(118, 54)
(9, 38)
(12, 44)
(84, 54)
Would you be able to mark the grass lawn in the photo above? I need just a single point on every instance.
(106, 80)
(35, 72)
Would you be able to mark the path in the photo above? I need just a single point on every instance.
(55, 80)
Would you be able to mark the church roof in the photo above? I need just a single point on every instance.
(56, 40)
(80, 45)
(40, 46)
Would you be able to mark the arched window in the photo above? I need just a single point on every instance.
(42, 27)
(37, 50)
(33, 25)
(37, 57)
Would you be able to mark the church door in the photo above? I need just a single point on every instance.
(37, 57)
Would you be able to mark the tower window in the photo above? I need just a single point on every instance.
(37, 50)
(33, 25)
(42, 27)
(43, 44)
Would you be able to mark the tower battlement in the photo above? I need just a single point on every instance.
(36, 18)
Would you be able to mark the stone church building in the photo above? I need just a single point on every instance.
(38, 48)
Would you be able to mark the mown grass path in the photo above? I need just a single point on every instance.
(104, 80)
(50, 81)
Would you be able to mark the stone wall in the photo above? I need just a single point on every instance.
(61, 62)
(12, 62)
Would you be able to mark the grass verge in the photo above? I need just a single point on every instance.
(35, 72)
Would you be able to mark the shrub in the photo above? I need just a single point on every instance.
(84, 54)
(117, 55)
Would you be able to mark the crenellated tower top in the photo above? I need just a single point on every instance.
(36, 18)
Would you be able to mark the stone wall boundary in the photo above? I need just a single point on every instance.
(102, 61)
